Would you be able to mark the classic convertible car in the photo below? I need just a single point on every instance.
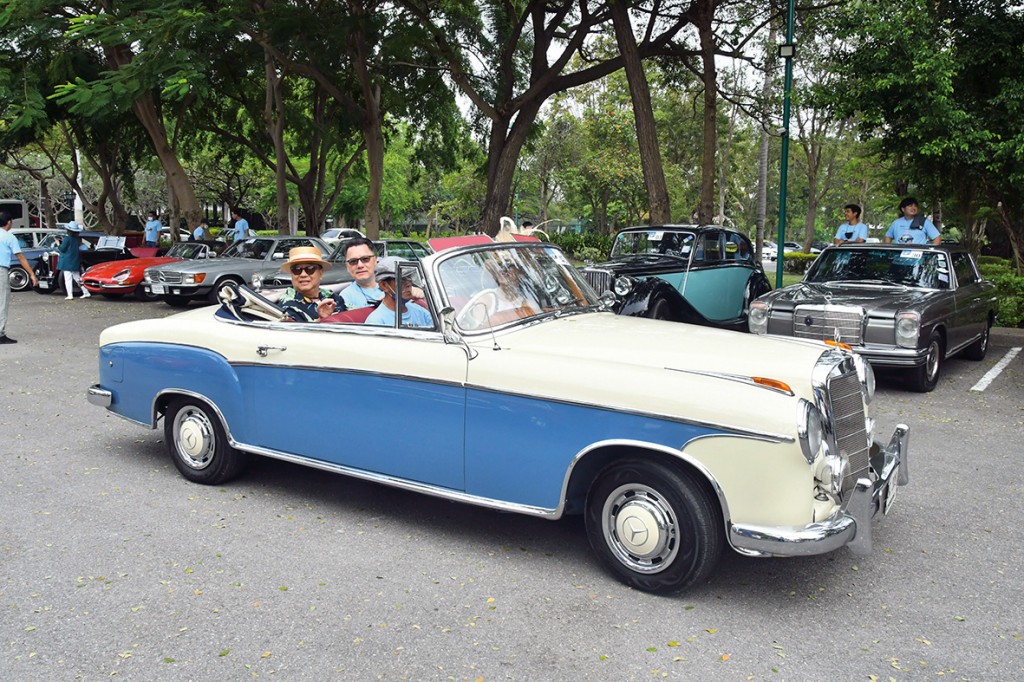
(686, 273)
(525, 401)
(122, 278)
(898, 305)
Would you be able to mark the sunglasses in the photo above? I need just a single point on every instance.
(308, 269)
(362, 259)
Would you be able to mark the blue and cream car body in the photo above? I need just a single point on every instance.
(700, 274)
(526, 401)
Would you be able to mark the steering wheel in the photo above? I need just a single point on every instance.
(478, 309)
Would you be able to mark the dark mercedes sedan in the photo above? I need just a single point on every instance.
(898, 305)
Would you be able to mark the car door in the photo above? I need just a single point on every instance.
(715, 283)
(381, 400)
(971, 300)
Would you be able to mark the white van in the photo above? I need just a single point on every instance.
(18, 210)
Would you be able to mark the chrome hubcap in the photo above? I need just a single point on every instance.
(933, 360)
(640, 528)
(194, 438)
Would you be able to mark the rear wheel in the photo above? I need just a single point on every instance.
(924, 378)
(177, 301)
(654, 526)
(198, 443)
(18, 279)
(977, 350)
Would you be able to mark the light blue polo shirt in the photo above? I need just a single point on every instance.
(9, 248)
(901, 232)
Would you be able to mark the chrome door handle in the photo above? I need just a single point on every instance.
(263, 350)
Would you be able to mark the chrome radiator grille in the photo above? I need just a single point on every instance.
(599, 280)
(848, 424)
(163, 277)
(822, 322)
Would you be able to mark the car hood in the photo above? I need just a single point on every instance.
(647, 264)
(880, 300)
(111, 268)
(215, 265)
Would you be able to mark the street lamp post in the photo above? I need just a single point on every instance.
(787, 52)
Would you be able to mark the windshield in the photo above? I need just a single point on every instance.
(255, 249)
(185, 250)
(49, 241)
(670, 243)
(906, 267)
(495, 286)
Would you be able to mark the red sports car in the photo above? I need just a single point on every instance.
(120, 278)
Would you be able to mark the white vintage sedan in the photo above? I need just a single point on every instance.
(674, 441)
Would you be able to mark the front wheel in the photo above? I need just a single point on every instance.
(143, 294)
(925, 378)
(654, 526)
(659, 310)
(18, 279)
(176, 301)
(198, 443)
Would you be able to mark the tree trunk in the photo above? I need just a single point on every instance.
(273, 119)
(706, 203)
(646, 133)
(504, 148)
(373, 134)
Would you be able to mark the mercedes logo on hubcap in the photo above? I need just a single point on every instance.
(636, 530)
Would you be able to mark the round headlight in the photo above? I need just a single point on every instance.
(757, 317)
(810, 429)
(908, 327)
(121, 276)
(623, 285)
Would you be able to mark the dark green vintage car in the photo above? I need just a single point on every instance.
(701, 274)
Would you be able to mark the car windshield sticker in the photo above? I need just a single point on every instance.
(911, 255)
(655, 236)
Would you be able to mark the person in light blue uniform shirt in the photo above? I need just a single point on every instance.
(853, 230)
(241, 230)
(384, 315)
(912, 228)
(10, 251)
(152, 230)
(199, 234)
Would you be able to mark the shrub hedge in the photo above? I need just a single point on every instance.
(1009, 290)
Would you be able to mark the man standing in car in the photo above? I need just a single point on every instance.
(853, 230)
(9, 250)
(360, 261)
(912, 228)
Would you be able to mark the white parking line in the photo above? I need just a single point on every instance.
(994, 372)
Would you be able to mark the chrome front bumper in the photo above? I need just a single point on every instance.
(851, 526)
(100, 396)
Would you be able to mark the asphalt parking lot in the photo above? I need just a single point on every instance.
(111, 564)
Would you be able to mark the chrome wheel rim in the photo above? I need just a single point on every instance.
(194, 438)
(18, 279)
(640, 528)
(933, 360)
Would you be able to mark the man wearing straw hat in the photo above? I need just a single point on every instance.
(305, 301)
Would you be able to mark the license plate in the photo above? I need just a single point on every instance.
(43, 284)
(890, 491)
(156, 288)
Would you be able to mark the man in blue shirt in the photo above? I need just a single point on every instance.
(912, 228)
(413, 314)
(360, 261)
(853, 230)
(241, 230)
(152, 230)
(199, 234)
(9, 251)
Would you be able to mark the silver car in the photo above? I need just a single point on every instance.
(180, 283)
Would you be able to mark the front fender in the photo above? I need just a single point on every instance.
(645, 295)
